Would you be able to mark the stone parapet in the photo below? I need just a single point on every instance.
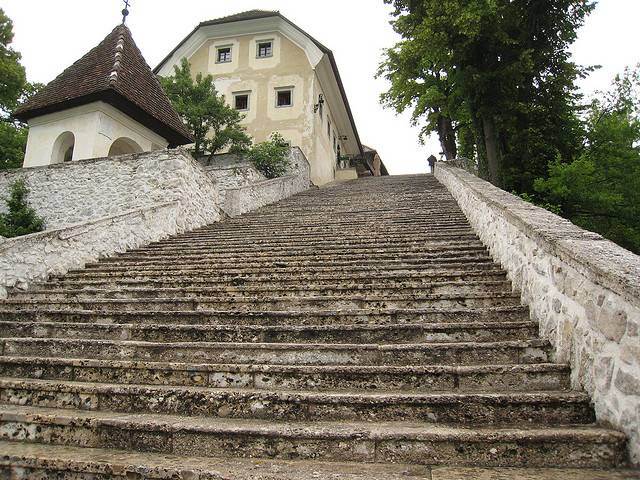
(248, 197)
(583, 290)
(32, 258)
(73, 192)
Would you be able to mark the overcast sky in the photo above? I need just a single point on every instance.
(53, 34)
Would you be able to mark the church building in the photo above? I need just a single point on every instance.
(107, 103)
(282, 79)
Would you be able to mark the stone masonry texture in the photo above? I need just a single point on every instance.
(94, 208)
(583, 290)
(356, 331)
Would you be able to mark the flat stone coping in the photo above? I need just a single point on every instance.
(77, 229)
(601, 260)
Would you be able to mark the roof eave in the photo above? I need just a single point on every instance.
(110, 96)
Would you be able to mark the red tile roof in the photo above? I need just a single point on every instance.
(114, 72)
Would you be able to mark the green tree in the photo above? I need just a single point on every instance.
(507, 74)
(213, 123)
(21, 219)
(600, 190)
(270, 157)
(14, 89)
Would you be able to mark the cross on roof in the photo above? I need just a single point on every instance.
(125, 11)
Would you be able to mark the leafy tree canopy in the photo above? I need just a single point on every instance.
(214, 125)
(600, 189)
(270, 157)
(14, 89)
(494, 74)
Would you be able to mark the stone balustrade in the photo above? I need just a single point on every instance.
(582, 289)
(32, 258)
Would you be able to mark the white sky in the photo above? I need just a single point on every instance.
(53, 34)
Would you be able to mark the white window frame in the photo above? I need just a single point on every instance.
(284, 89)
(239, 94)
(266, 40)
(224, 47)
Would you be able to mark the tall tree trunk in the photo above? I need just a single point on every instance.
(447, 137)
(492, 148)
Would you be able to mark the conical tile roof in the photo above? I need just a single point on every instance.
(114, 72)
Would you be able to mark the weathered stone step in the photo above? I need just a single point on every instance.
(416, 378)
(285, 235)
(386, 442)
(275, 262)
(282, 269)
(30, 461)
(449, 353)
(334, 222)
(290, 317)
(293, 253)
(261, 303)
(534, 408)
(307, 244)
(39, 461)
(300, 289)
(411, 333)
(232, 232)
(285, 284)
(276, 242)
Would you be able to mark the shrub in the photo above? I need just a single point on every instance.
(270, 157)
(21, 218)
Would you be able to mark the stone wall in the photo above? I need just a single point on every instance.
(78, 191)
(32, 258)
(249, 197)
(582, 289)
(95, 208)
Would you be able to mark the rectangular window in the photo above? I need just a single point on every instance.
(223, 55)
(241, 101)
(265, 49)
(328, 127)
(284, 97)
(334, 141)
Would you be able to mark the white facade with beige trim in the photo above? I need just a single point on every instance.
(89, 131)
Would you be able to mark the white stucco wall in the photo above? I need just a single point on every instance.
(95, 127)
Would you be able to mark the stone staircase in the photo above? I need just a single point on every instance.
(356, 331)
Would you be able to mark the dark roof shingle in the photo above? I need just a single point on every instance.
(115, 72)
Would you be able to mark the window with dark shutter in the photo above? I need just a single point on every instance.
(284, 98)
(224, 55)
(265, 49)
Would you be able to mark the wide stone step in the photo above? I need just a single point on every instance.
(318, 261)
(289, 252)
(309, 303)
(449, 353)
(29, 461)
(264, 235)
(290, 317)
(287, 282)
(300, 289)
(278, 270)
(371, 231)
(533, 408)
(282, 243)
(422, 378)
(304, 244)
(353, 333)
(386, 442)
